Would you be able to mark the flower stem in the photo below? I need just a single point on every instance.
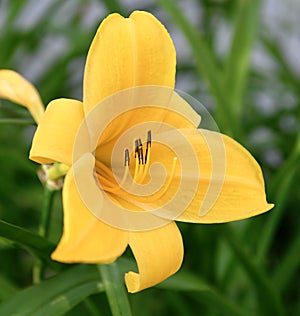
(43, 229)
(115, 289)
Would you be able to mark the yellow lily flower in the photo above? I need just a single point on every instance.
(131, 118)
(17, 89)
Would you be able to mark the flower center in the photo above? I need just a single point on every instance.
(138, 165)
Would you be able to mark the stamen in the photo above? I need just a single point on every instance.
(140, 152)
(136, 169)
(148, 145)
(127, 158)
(127, 162)
(147, 158)
(136, 150)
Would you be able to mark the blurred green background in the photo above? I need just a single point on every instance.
(241, 60)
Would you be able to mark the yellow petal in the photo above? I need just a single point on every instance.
(85, 238)
(17, 89)
(129, 114)
(134, 124)
(158, 253)
(215, 179)
(226, 194)
(54, 138)
(128, 52)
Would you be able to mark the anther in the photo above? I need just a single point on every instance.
(149, 138)
(127, 158)
(136, 148)
(148, 145)
(140, 152)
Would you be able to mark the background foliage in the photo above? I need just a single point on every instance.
(238, 58)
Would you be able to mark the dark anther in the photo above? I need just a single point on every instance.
(149, 138)
(148, 144)
(127, 159)
(136, 148)
(140, 151)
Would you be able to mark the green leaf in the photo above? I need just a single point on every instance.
(206, 63)
(39, 246)
(264, 288)
(188, 282)
(280, 187)
(237, 64)
(115, 289)
(7, 288)
(56, 295)
(277, 51)
(288, 265)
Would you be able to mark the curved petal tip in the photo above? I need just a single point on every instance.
(17, 89)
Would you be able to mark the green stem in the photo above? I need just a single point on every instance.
(43, 229)
(16, 121)
(115, 289)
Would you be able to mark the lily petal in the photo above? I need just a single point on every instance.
(86, 238)
(17, 89)
(215, 179)
(128, 52)
(158, 253)
(54, 138)
(137, 120)
(234, 193)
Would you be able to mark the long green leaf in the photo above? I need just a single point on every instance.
(279, 191)
(39, 246)
(187, 282)
(206, 62)
(288, 265)
(277, 52)
(7, 288)
(55, 296)
(237, 64)
(264, 288)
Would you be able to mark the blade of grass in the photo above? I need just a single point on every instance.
(274, 49)
(56, 295)
(39, 246)
(237, 64)
(271, 302)
(288, 265)
(14, 9)
(280, 186)
(7, 288)
(206, 63)
(187, 282)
